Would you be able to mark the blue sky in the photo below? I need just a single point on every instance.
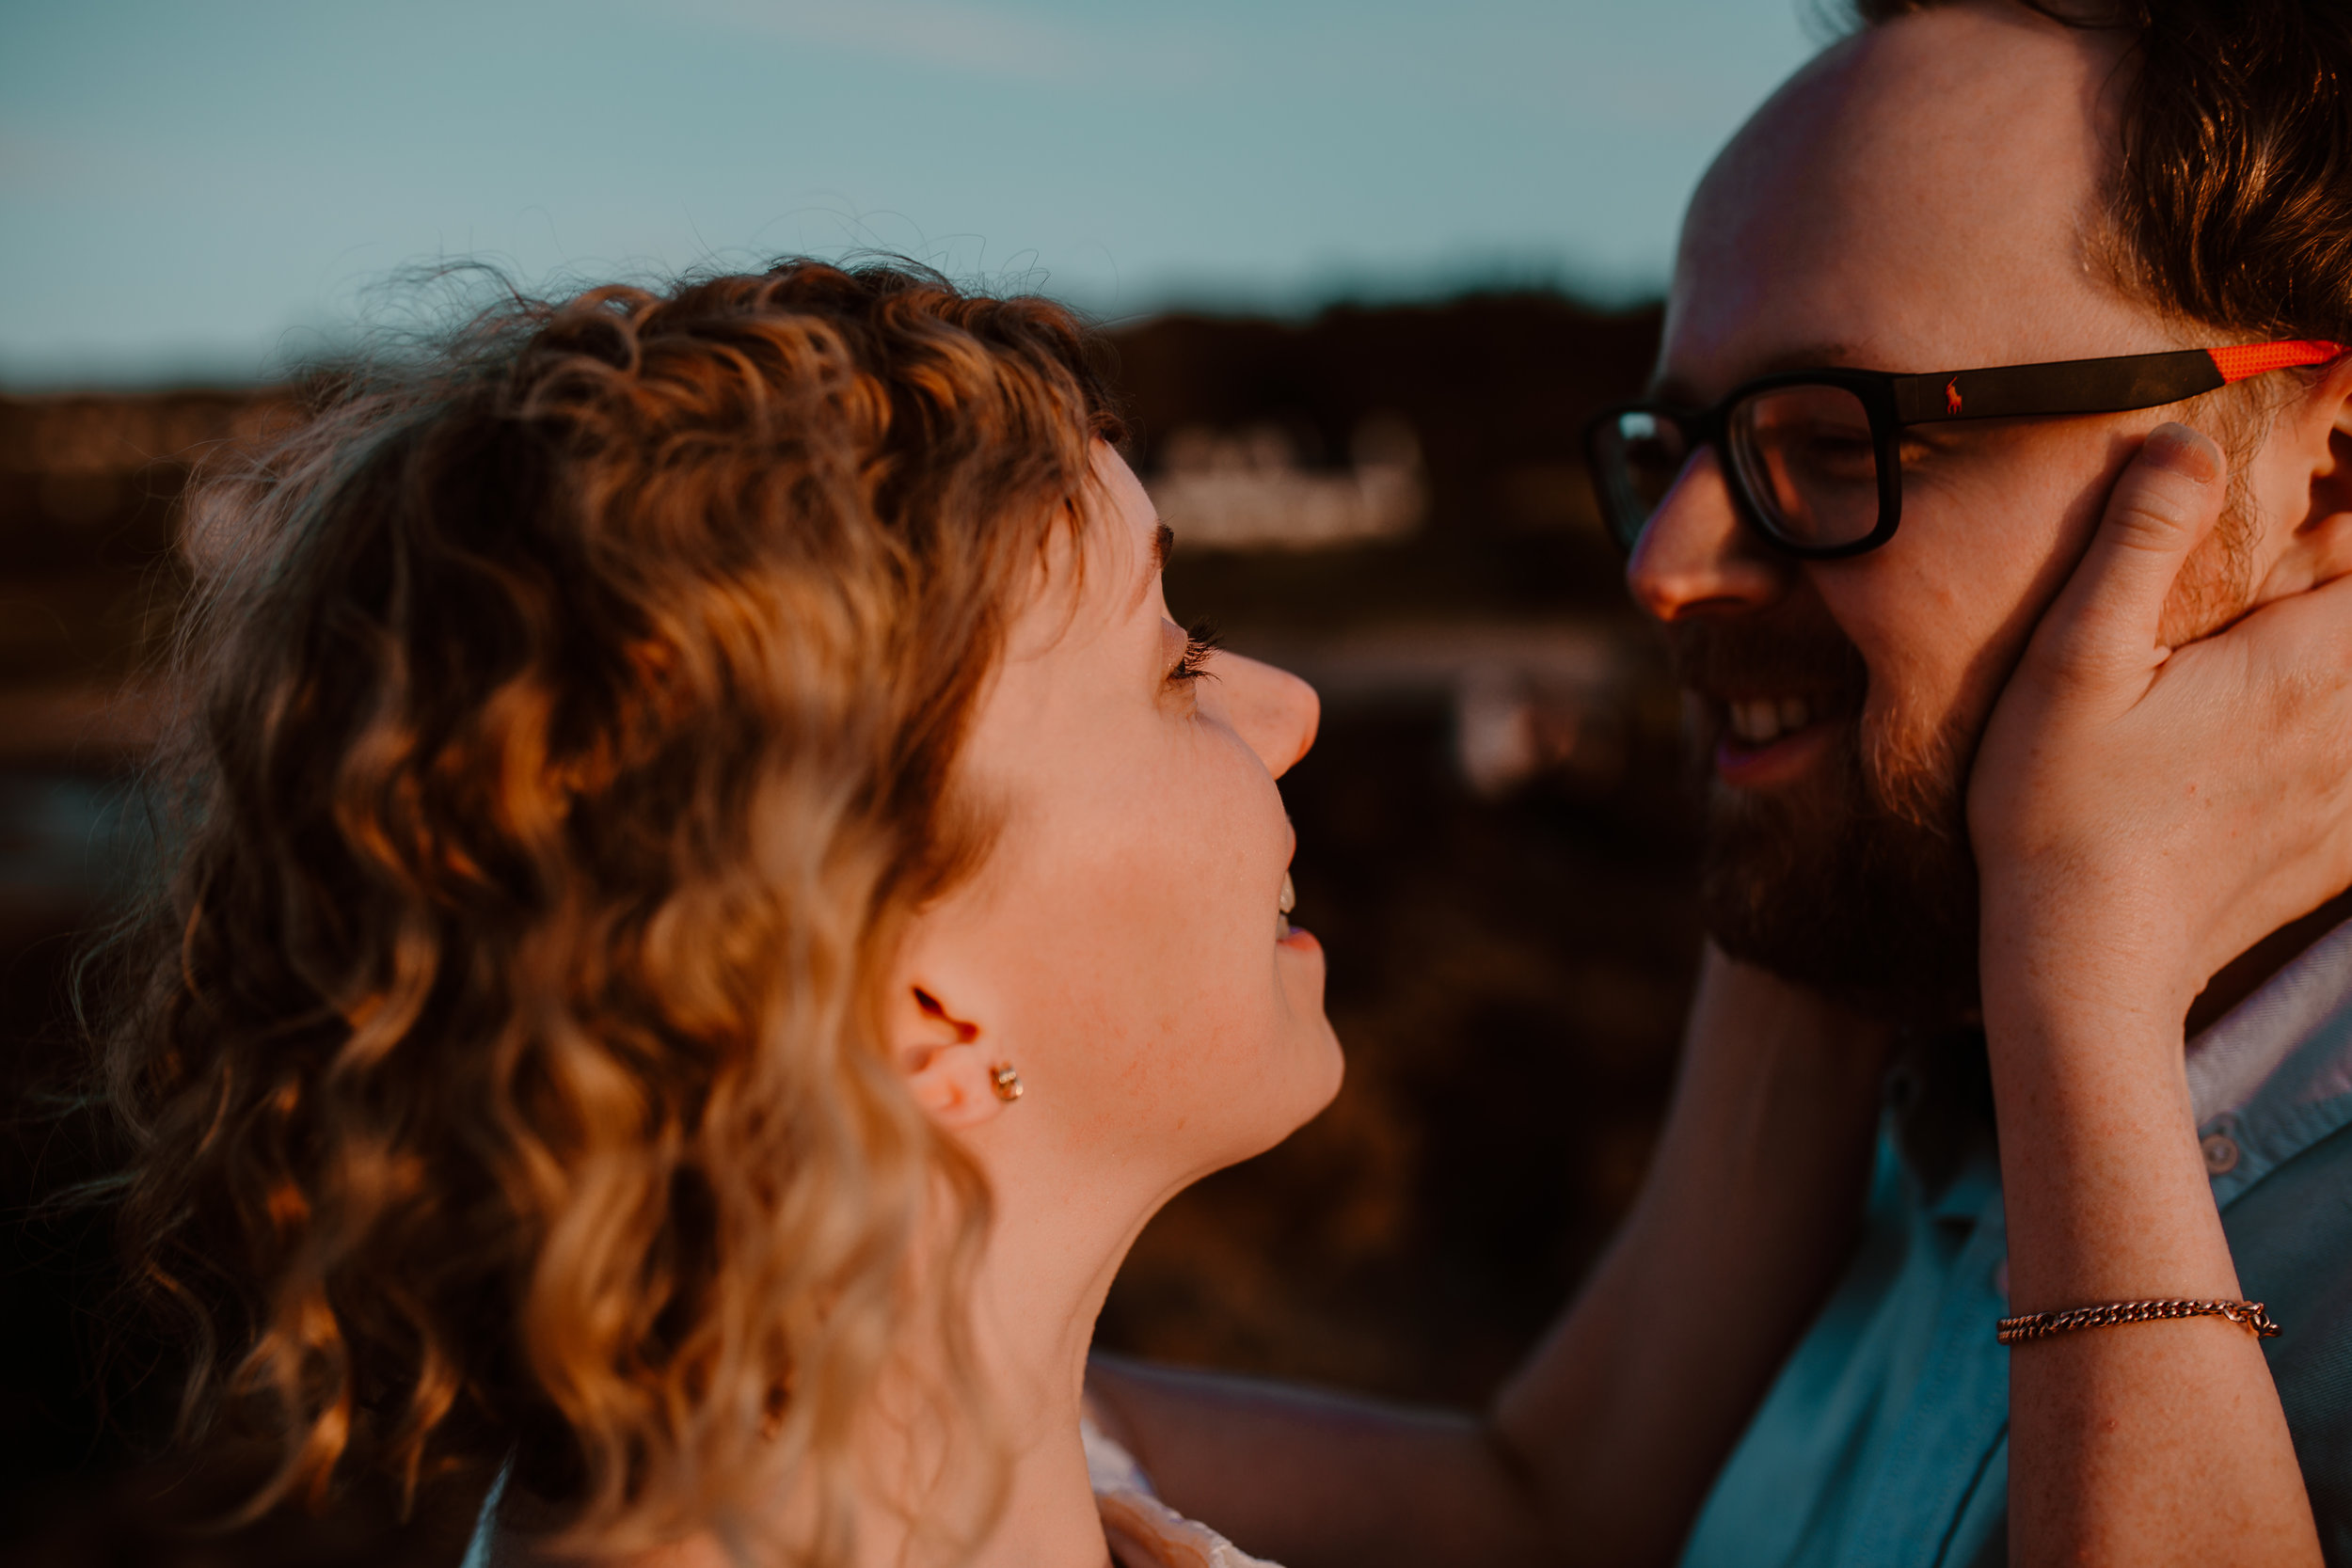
(207, 188)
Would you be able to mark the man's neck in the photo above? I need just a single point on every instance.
(2246, 974)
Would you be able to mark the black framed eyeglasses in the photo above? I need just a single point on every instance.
(1814, 457)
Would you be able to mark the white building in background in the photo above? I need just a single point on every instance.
(1247, 491)
(1528, 698)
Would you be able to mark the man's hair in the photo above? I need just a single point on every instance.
(2231, 203)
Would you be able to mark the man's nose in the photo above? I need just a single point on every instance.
(1271, 709)
(1697, 558)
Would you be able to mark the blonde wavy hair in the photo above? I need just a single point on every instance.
(571, 732)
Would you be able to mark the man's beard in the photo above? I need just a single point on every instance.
(1858, 880)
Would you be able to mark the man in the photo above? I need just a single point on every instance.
(1960, 185)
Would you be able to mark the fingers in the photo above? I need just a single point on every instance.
(2166, 502)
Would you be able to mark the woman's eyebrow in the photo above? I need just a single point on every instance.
(1163, 544)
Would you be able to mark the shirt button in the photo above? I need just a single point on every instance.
(2220, 1153)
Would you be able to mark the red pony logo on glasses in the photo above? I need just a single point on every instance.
(1951, 396)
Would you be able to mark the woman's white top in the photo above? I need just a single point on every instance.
(1144, 1531)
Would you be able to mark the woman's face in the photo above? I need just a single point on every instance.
(1123, 948)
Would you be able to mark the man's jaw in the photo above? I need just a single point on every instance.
(1827, 859)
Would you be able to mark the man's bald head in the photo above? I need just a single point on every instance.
(1932, 163)
(2230, 200)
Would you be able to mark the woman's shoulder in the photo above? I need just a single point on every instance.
(1145, 1533)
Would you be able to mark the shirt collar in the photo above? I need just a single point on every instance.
(2274, 1075)
(2231, 1060)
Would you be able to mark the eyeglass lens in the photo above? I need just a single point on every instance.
(1641, 455)
(1808, 462)
(1804, 458)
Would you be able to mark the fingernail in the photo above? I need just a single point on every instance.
(2185, 451)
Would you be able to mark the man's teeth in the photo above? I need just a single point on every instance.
(1761, 720)
(1286, 903)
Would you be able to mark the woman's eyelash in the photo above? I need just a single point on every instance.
(1199, 643)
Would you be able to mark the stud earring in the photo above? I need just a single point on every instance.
(1006, 1081)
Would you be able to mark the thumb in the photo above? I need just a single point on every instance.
(2107, 616)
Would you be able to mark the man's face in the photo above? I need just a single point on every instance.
(1924, 198)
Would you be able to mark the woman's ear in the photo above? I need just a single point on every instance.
(944, 1057)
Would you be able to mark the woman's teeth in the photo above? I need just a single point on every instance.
(1288, 902)
(1761, 720)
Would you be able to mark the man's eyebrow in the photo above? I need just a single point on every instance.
(1670, 388)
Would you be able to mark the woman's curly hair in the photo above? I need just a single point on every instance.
(571, 728)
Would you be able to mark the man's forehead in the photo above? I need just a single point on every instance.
(1924, 195)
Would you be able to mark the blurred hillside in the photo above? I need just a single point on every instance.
(1492, 846)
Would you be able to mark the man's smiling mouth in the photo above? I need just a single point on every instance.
(1761, 720)
(1763, 739)
(1767, 702)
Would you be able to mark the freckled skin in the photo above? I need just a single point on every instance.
(1126, 918)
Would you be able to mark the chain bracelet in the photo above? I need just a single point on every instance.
(2041, 1325)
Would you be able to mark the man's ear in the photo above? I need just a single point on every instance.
(944, 1057)
(2323, 540)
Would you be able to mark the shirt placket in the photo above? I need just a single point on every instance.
(1934, 1479)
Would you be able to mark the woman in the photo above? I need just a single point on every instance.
(620, 969)
(712, 903)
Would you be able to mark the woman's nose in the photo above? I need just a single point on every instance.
(1271, 709)
(1696, 557)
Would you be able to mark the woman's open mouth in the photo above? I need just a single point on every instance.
(1295, 937)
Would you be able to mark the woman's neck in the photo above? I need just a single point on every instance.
(1039, 1289)
(1035, 1297)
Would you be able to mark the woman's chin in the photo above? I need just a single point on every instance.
(1335, 1068)
(1298, 972)
(1314, 1038)
(1287, 1087)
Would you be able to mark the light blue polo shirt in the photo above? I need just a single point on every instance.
(1884, 1441)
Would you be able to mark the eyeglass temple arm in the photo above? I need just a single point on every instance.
(2095, 385)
